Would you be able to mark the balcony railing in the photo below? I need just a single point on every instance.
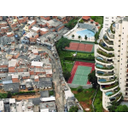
(106, 74)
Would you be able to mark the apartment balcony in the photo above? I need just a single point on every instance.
(104, 75)
(102, 61)
(103, 70)
(99, 66)
(105, 55)
(110, 88)
(107, 41)
(109, 34)
(106, 82)
(105, 48)
(116, 98)
(112, 28)
(113, 93)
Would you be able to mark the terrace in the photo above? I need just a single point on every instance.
(104, 53)
(103, 60)
(105, 74)
(103, 45)
(110, 87)
(106, 80)
(104, 67)
(112, 92)
(106, 40)
(110, 34)
(112, 28)
(116, 98)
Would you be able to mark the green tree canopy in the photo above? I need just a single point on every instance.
(73, 109)
(62, 43)
(93, 79)
(121, 108)
(79, 89)
(66, 75)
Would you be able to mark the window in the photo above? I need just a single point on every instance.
(118, 60)
(118, 50)
(118, 55)
(118, 45)
(119, 35)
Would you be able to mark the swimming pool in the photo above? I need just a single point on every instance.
(108, 93)
(100, 58)
(100, 72)
(86, 32)
(102, 80)
(99, 65)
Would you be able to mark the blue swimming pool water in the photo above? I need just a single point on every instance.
(108, 93)
(100, 72)
(100, 58)
(86, 32)
(99, 65)
(102, 80)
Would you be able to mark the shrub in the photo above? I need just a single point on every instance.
(79, 89)
(73, 109)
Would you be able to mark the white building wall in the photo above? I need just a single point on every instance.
(123, 56)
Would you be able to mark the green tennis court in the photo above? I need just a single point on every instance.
(81, 75)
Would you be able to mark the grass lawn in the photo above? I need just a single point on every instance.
(98, 102)
(84, 97)
(70, 54)
(67, 65)
(98, 19)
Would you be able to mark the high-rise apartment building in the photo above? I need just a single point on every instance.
(107, 22)
(112, 62)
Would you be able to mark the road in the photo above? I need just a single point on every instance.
(56, 80)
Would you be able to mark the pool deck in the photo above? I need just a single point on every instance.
(76, 35)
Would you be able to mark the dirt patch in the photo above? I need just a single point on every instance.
(75, 92)
(86, 105)
(20, 97)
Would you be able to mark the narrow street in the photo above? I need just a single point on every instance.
(56, 80)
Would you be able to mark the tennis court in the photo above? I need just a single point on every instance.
(79, 46)
(79, 74)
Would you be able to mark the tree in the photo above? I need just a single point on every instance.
(93, 79)
(73, 109)
(79, 37)
(66, 75)
(79, 89)
(62, 43)
(113, 107)
(73, 36)
(85, 37)
(121, 108)
(9, 95)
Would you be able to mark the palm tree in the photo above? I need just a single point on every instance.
(79, 37)
(73, 36)
(85, 37)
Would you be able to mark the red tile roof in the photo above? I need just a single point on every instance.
(96, 23)
(91, 20)
(86, 17)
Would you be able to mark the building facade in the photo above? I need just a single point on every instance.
(107, 22)
(111, 63)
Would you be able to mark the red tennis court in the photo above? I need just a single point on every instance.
(78, 63)
(80, 47)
